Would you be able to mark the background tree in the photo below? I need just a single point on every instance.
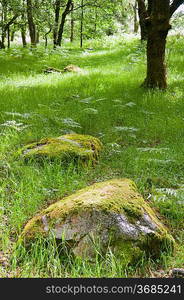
(157, 16)
(10, 11)
(31, 23)
(66, 11)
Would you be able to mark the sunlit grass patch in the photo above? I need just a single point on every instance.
(142, 132)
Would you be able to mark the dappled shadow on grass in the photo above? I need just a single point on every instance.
(177, 84)
(24, 61)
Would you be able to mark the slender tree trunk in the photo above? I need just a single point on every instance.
(61, 29)
(82, 23)
(62, 24)
(8, 36)
(56, 22)
(12, 35)
(3, 24)
(3, 40)
(23, 25)
(158, 27)
(23, 36)
(37, 36)
(5, 29)
(46, 34)
(23, 31)
(72, 23)
(32, 27)
(96, 18)
(136, 24)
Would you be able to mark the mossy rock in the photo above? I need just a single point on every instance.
(67, 148)
(72, 68)
(108, 215)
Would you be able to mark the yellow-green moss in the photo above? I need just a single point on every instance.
(117, 195)
(66, 148)
(127, 252)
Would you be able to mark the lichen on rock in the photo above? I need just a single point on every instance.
(108, 215)
(67, 148)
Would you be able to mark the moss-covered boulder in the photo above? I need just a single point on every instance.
(67, 148)
(108, 215)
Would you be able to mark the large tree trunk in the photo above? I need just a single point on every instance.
(62, 24)
(32, 27)
(158, 27)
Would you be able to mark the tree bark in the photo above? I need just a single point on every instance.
(23, 36)
(136, 26)
(2, 44)
(46, 34)
(37, 36)
(56, 22)
(142, 17)
(72, 24)
(62, 24)
(12, 34)
(158, 27)
(3, 22)
(96, 19)
(23, 30)
(32, 27)
(23, 25)
(82, 23)
(8, 36)
(6, 28)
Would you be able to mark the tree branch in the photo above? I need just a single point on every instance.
(10, 22)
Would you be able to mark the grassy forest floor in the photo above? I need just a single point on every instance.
(142, 132)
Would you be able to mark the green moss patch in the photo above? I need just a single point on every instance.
(67, 148)
(113, 212)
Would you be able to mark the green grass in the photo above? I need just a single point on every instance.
(142, 132)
